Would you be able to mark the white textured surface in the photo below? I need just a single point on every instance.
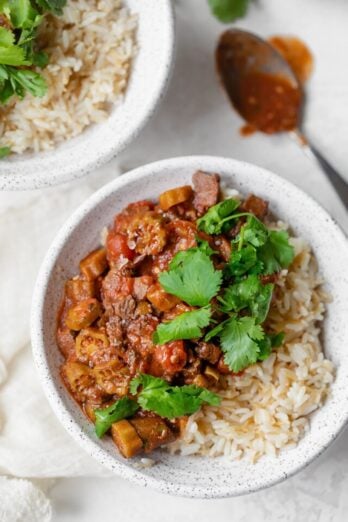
(194, 118)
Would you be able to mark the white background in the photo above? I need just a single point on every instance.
(195, 118)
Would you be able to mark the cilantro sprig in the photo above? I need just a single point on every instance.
(192, 277)
(154, 394)
(18, 50)
(229, 10)
(170, 401)
(243, 301)
(250, 294)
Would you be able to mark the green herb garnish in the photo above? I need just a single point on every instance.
(245, 302)
(192, 277)
(213, 221)
(18, 52)
(170, 401)
(249, 294)
(276, 253)
(240, 342)
(4, 151)
(228, 10)
(185, 326)
(105, 417)
(268, 343)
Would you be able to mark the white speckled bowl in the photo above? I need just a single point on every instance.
(193, 476)
(98, 143)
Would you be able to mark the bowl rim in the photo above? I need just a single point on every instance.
(21, 181)
(40, 358)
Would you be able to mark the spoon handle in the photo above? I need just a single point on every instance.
(338, 182)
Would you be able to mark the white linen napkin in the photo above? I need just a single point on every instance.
(32, 441)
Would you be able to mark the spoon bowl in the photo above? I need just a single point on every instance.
(265, 91)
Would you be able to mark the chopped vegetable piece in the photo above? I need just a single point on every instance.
(83, 314)
(79, 289)
(153, 431)
(192, 277)
(185, 326)
(175, 196)
(117, 247)
(89, 344)
(94, 264)
(170, 401)
(126, 438)
(169, 358)
(79, 379)
(161, 299)
(105, 417)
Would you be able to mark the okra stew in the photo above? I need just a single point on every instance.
(174, 301)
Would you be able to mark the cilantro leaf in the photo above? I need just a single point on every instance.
(249, 293)
(21, 11)
(185, 326)
(105, 417)
(239, 342)
(242, 262)
(213, 220)
(204, 247)
(170, 401)
(215, 331)
(6, 37)
(253, 232)
(269, 342)
(12, 55)
(4, 151)
(228, 10)
(25, 80)
(276, 253)
(192, 277)
(56, 6)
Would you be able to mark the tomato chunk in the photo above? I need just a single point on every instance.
(171, 357)
(117, 247)
(160, 299)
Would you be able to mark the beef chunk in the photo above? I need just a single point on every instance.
(255, 205)
(125, 307)
(141, 286)
(65, 341)
(208, 351)
(206, 188)
(114, 331)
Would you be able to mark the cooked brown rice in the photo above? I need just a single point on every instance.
(266, 407)
(91, 48)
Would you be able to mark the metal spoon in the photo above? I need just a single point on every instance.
(239, 54)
